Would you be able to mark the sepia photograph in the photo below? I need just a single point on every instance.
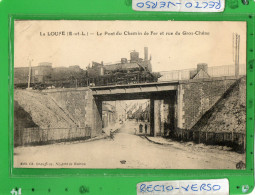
(129, 94)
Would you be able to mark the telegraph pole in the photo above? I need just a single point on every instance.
(237, 48)
(29, 73)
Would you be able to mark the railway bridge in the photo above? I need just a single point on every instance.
(160, 94)
(183, 102)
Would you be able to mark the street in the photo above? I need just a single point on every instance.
(125, 150)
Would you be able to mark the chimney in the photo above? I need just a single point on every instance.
(202, 66)
(123, 60)
(145, 53)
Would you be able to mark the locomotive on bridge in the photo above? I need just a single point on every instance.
(135, 70)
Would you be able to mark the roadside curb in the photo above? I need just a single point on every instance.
(156, 142)
(86, 140)
(100, 137)
(97, 138)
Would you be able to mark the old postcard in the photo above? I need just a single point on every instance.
(129, 94)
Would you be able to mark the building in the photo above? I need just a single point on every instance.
(109, 115)
(38, 74)
(41, 73)
(44, 73)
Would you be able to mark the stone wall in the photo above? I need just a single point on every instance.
(72, 101)
(80, 105)
(198, 96)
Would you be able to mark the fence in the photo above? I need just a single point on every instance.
(38, 136)
(235, 140)
(214, 71)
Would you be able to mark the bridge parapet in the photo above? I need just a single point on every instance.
(135, 88)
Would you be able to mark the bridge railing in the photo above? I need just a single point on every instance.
(39, 136)
(214, 71)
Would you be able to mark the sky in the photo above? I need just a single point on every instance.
(177, 45)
